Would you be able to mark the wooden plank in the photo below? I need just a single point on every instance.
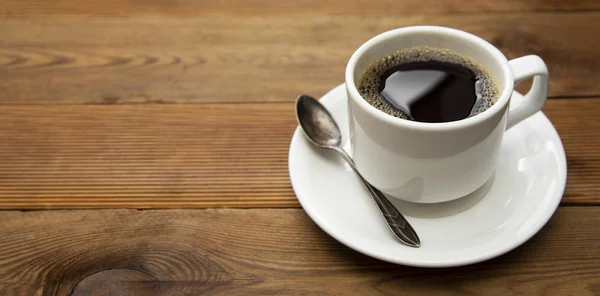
(578, 128)
(266, 252)
(250, 59)
(221, 155)
(40, 8)
(577, 124)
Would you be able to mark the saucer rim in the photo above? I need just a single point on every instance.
(340, 237)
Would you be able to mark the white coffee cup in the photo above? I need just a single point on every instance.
(437, 162)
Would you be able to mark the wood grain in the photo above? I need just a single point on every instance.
(251, 58)
(188, 104)
(40, 8)
(207, 155)
(265, 252)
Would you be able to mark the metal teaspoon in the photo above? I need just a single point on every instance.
(321, 129)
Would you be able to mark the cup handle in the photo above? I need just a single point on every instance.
(523, 68)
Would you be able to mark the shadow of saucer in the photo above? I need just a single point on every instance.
(442, 209)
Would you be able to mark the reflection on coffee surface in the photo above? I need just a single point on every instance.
(428, 85)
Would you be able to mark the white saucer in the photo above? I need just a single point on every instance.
(510, 209)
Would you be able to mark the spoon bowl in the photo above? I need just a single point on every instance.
(317, 123)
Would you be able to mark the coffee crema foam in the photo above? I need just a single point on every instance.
(370, 80)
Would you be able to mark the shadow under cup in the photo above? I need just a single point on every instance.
(427, 162)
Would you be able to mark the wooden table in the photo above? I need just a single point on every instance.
(110, 183)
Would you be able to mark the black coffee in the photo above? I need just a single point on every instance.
(428, 85)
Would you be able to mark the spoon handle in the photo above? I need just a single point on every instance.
(397, 223)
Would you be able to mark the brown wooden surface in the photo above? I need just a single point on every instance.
(205, 155)
(259, 58)
(37, 8)
(110, 104)
(266, 252)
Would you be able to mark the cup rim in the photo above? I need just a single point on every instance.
(505, 90)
